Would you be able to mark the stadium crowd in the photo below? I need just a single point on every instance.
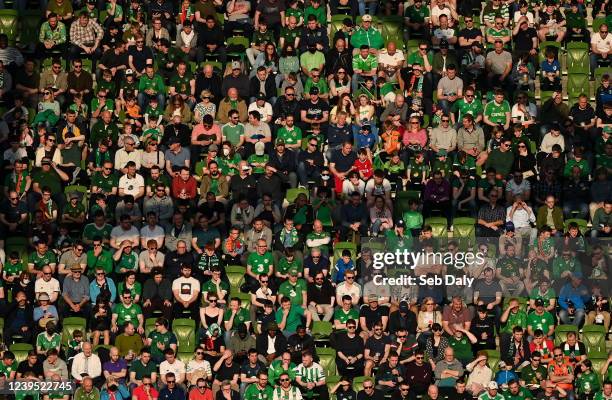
(195, 193)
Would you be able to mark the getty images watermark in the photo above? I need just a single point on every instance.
(426, 262)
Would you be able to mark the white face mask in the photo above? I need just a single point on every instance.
(226, 151)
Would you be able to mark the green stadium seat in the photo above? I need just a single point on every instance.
(582, 224)
(335, 26)
(598, 361)
(235, 276)
(464, 228)
(149, 326)
(438, 226)
(561, 332)
(29, 26)
(494, 359)
(577, 84)
(601, 71)
(545, 95)
(9, 25)
(327, 360)
(401, 201)
(18, 244)
(597, 22)
(245, 299)
(82, 190)
(338, 247)
(185, 331)
(71, 324)
(578, 58)
(331, 382)
(358, 382)
(321, 331)
(185, 356)
(594, 338)
(20, 350)
(238, 41)
(217, 65)
(293, 193)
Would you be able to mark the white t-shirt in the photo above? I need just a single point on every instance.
(177, 367)
(119, 234)
(186, 288)
(520, 115)
(131, 185)
(385, 58)
(343, 289)
(601, 44)
(42, 286)
(529, 15)
(265, 111)
(374, 190)
(147, 233)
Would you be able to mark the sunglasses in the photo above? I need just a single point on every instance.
(284, 380)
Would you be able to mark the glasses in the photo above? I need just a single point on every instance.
(312, 144)
(423, 48)
(200, 353)
(289, 94)
(521, 146)
(107, 168)
(97, 245)
(419, 357)
(129, 144)
(100, 273)
(469, 95)
(201, 387)
(558, 355)
(284, 380)
(341, 72)
(351, 327)
(14, 198)
(368, 387)
(445, 120)
(318, 279)
(349, 277)
(404, 389)
(535, 359)
(401, 336)
(169, 382)
(101, 95)
(78, 66)
(46, 273)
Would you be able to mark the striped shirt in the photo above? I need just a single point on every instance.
(313, 374)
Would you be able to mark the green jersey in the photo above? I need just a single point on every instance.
(413, 219)
(415, 14)
(135, 290)
(587, 384)
(47, 343)
(241, 317)
(416, 58)
(181, 84)
(509, 266)
(497, 112)
(536, 294)
(127, 313)
(321, 85)
(260, 264)
(364, 64)
(165, 339)
(523, 394)
(518, 318)
(276, 370)
(319, 12)
(284, 265)
(294, 292)
(292, 136)
(104, 261)
(342, 316)
(16, 269)
(74, 211)
(92, 230)
(486, 396)
(211, 287)
(225, 162)
(127, 262)
(254, 392)
(106, 183)
(294, 319)
(255, 159)
(533, 376)
(6, 370)
(462, 348)
(462, 107)
(155, 83)
(40, 260)
(50, 179)
(311, 374)
(290, 34)
(232, 133)
(543, 322)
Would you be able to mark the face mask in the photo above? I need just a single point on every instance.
(325, 177)
(312, 50)
(226, 152)
(112, 388)
(49, 331)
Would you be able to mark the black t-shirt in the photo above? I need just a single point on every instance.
(13, 214)
(270, 10)
(140, 56)
(468, 34)
(314, 110)
(250, 371)
(350, 347)
(580, 116)
(342, 162)
(227, 373)
(373, 316)
(109, 59)
(377, 345)
(524, 39)
(24, 367)
(313, 268)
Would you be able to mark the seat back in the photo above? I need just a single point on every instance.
(9, 25)
(578, 58)
(71, 324)
(293, 193)
(358, 382)
(185, 331)
(594, 338)
(438, 226)
(82, 190)
(598, 362)
(29, 26)
(185, 356)
(494, 358)
(601, 71)
(327, 360)
(339, 246)
(235, 276)
(577, 84)
(321, 330)
(597, 22)
(561, 332)
(556, 46)
(149, 326)
(245, 299)
(582, 224)
(331, 381)
(20, 350)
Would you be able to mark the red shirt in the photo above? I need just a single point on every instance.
(140, 394)
(189, 186)
(365, 167)
(195, 394)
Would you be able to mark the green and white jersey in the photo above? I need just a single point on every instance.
(254, 392)
(47, 343)
(127, 314)
(586, 384)
(260, 264)
(485, 396)
(314, 373)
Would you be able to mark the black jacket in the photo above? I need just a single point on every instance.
(213, 84)
(285, 164)
(241, 83)
(311, 37)
(315, 156)
(282, 108)
(270, 87)
(280, 344)
(397, 321)
(335, 60)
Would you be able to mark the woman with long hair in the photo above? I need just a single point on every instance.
(340, 83)
(436, 345)
(48, 149)
(364, 115)
(151, 156)
(178, 106)
(345, 103)
(228, 160)
(427, 316)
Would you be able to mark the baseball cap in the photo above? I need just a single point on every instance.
(492, 385)
(46, 161)
(213, 147)
(539, 303)
(129, 71)
(236, 65)
(314, 90)
(347, 22)
(261, 96)
(293, 272)
(400, 223)
(403, 307)
(372, 298)
(509, 226)
(367, 18)
(280, 142)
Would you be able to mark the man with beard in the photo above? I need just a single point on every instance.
(299, 342)
(209, 80)
(286, 105)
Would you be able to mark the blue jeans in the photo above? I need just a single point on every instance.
(578, 317)
(370, 7)
(305, 173)
(143, 100)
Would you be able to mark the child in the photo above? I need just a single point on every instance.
(133, 115)
(441, 163)
(107, 83)
(395, 170)
(366, 138)
(343, 264)
(152, 132)
(551, 72)
(418, 172)
(128, 86)
(363, 164)
(128, 132)
(392, 139)
(153, 111)
(74, 345)
(574, 240)
(413, 219)
(464, 163)
(260, 38)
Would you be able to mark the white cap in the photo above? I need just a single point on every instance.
(492, 385)
(260, 147)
